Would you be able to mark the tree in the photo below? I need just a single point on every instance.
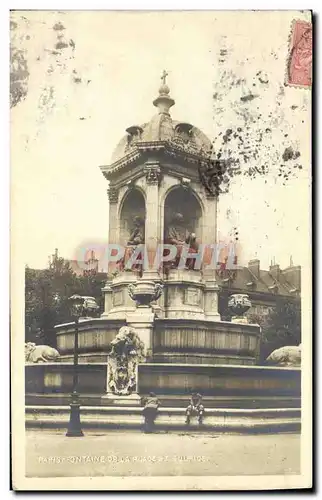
(282, 326)
(46, 293)
(33, 303)
(46, 297)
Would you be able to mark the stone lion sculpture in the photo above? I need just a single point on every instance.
(286, 356)
(40, 353)
(127, 350)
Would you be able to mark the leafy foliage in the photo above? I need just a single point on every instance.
(282, 326)
(46, 297)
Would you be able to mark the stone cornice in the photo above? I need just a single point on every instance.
(109, 170)
(167, 148)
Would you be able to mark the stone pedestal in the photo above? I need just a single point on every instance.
(142, 319)
(117, 300)
(184, 294)
(211, 300)
(108, 298)
(240, 319)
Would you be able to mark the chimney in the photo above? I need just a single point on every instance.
(292, 274)
(254, 267)
(274, 269)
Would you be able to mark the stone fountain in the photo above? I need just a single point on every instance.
(160, 330)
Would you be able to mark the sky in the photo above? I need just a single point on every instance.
(86, 76)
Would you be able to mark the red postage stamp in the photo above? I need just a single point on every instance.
(300, 59)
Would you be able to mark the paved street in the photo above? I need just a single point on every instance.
(52, 454)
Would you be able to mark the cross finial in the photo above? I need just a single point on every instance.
(164, 76)
(163, 102)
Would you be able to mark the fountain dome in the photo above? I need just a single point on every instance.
(162, 128)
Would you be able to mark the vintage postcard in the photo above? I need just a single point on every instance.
(161, 250)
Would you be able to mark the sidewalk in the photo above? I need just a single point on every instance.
(52, 454)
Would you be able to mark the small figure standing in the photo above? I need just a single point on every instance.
(195, 408)
(150, 410)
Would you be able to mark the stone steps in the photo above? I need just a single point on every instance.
(179, 401)
(171, 419)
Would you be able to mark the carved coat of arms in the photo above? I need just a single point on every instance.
(127, 350)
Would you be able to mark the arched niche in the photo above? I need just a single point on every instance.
(185, 202)
(133, 205)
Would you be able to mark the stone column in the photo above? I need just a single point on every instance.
(211, 300)
(113, 222)
(152, 222)
(209, 225)
(209, 237)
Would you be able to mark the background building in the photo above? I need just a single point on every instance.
(263, 287)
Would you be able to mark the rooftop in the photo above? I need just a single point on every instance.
(275, 281)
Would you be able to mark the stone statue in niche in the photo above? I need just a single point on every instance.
(137, 234)
(177, 234)
(136, 238)
(289, 355)
(127, 350)
(40, 353)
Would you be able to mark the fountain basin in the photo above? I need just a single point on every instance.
(205, 342)
(94, 338)
(251, 383)
(196, 341)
